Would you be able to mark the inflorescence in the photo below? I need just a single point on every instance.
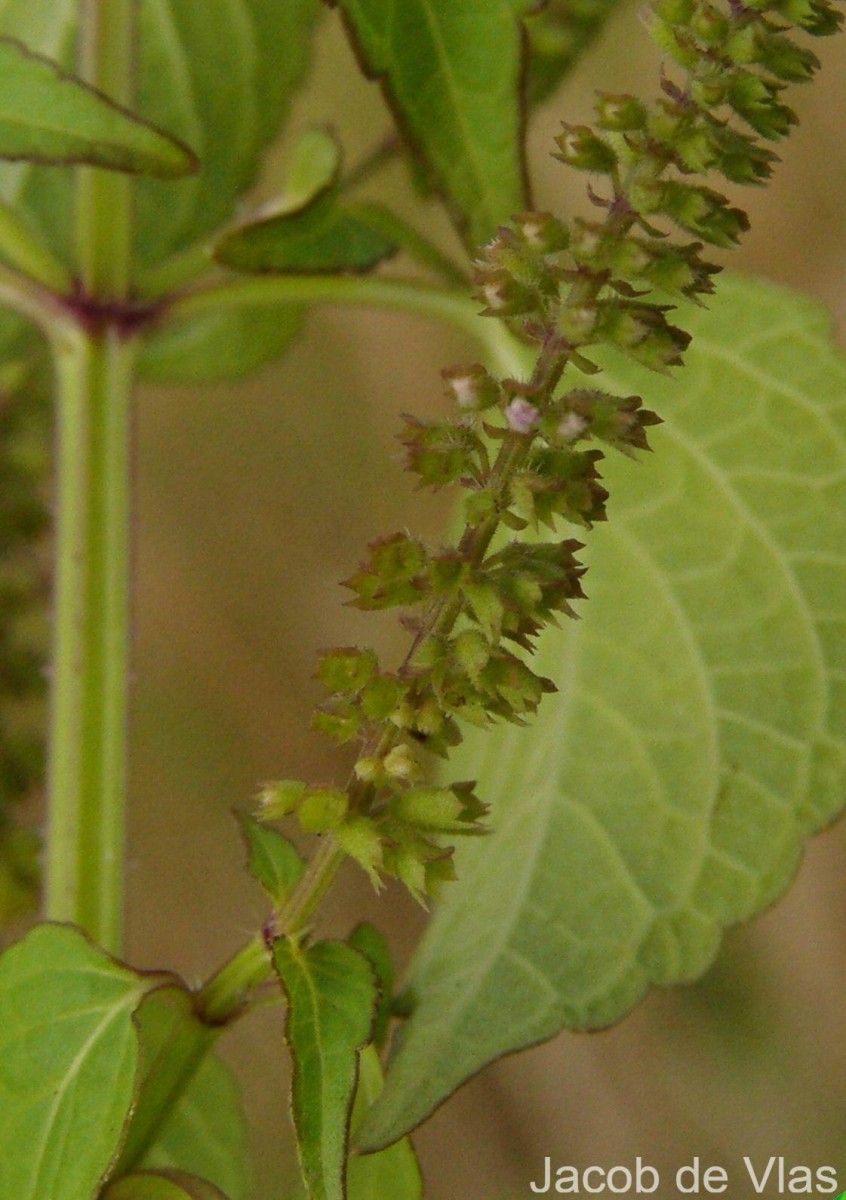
(525, 452)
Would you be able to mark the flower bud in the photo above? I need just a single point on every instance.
(472, 652)
(340, 722)
(381, 697)
(542, 232)
(322, 809)
(522, 417)
(439, 810)
(503, 295)
(620, 114)
(401, 763)
(581, 148)
(709, 25)
(346, 670)
(756, 101)
(708, 93)
(577, 323)
(675, 12)
(277, 800)
(429, 719)
(359, 837)
(472, 388)
(369, 770)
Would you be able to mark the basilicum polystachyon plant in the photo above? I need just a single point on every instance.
(107, 1074)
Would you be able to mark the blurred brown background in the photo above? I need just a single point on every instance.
(253, 502)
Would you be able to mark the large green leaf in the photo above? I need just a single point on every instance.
(48, 116)
(331, 993)
(219, 75)
(68, 1052)
(698, 734)
(205, 1131)
(391, 1174)
(173, 1044)
(452, 72)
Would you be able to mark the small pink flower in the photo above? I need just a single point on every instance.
(522, 416)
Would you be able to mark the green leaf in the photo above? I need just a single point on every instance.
(50, 117)
(273, 861)
(320, 237)
(68, 1053)
(452, 73)
(205, 1131)
(314, 167)
(698, 734)
(371, 942)
(219, 345)
(392, 1174)
(331, 993)
(163, 1185)
(220, 75)
(173, 1044)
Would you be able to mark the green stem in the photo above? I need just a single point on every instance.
(392, 295)
(104, 198)
(94, 373)
(226, 994)
(87, 765)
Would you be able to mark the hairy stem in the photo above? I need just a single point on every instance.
(94, 372)
(226, 993)
(391, 295)
(87, 761)
(104, 198)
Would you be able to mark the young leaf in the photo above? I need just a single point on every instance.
(204, 1131)
(163, 1185)
(698, 734)
(213, 74)
(314, 167)
(452, 74)
(331, 993)
(219, 345)
(273, 861)
(392, 1174)
(221, 74)
(320, 237)
(68, 1054)
(50, 117)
